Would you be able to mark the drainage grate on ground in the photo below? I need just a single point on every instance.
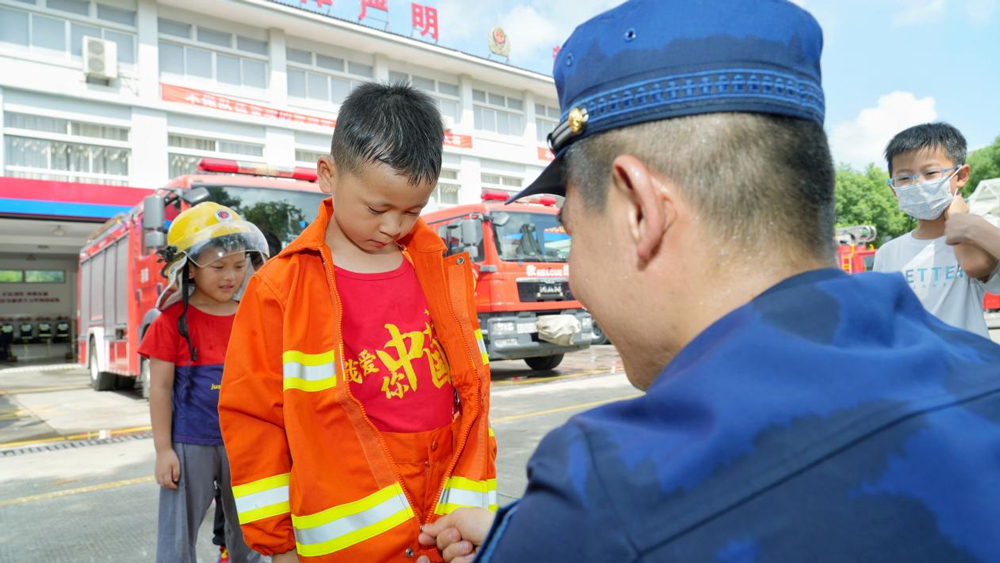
(73, 444)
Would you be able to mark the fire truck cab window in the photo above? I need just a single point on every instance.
(534, 237)
(450, 233)
(283, 212)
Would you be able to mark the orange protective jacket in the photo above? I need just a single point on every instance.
(309, 470)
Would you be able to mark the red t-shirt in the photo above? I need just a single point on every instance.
(196, 384)
(392, 359)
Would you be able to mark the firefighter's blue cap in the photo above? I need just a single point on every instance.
(648, 60)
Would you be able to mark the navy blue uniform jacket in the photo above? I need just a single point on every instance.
(830, 419)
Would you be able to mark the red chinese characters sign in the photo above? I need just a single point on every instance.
(425, 20)
(374, 4)
(320, 3)
(545, 154)
(458, 141)
(183, 95)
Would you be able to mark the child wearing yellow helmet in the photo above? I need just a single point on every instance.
(211, 253)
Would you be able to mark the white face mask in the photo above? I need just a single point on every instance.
(926, 200)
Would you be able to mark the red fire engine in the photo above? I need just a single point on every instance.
(855, 254)
(520, 254)
(120, 275)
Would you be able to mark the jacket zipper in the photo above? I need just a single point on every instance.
(347, 386)
(464, 436)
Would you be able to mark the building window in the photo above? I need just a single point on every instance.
(546, 120)
(444, 93)
(308, 158)
(186, 151)
(497, 114)
(446, 192)
(11, 276)
(50, 148)
(193, 51)
(44, 276)
(312, 76)
(499, 181)
(59, 30)
(32, 276)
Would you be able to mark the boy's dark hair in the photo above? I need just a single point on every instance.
(928, 135)
(758, 179)
(395, 124)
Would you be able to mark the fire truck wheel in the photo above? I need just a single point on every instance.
(125, 382)
(599, 336)
(544, 363)
(99, 380)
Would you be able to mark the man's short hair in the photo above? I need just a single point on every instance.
(758, 179)
(928, 136)
(394, 124)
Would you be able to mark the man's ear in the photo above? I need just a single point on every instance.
(651, 209)
(326, 174)
(962, 176)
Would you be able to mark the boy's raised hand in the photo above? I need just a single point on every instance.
(168, 468)
(458, 534)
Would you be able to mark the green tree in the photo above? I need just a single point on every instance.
(280, 217)
(985, 164)
(863, 198)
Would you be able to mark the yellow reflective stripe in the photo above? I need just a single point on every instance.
(342, 526)
(492, 435)
(309, 372)
(465, 484)
(444, 509)
(460, 492)
(262, 485)
(303, 385)
(263, 512)
(263, 498)
(482, 347)
(297, 357)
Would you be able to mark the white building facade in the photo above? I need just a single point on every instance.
(252, 80)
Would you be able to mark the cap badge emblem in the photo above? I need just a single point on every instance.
(578, 119)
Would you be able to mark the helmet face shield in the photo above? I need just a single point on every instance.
(251, 242)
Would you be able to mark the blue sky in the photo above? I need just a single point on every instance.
(887, 64)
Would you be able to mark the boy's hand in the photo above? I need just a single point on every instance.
(168, 469)
(287, 557)
(458, 534)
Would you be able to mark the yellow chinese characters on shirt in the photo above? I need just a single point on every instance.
(398, 355)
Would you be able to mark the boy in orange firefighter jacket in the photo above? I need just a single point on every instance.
(356, 390)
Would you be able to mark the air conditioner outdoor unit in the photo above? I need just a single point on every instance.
(100, 58)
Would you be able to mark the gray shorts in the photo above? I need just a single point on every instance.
(183, 510)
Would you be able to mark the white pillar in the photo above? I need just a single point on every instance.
(148, 165)
(381, 68)
(149, 52)
(279, 146)
(467, 123)
(277, 85)
(469, 176)
(530, 127)
(2, 142)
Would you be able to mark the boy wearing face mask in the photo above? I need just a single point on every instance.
(950, 259)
